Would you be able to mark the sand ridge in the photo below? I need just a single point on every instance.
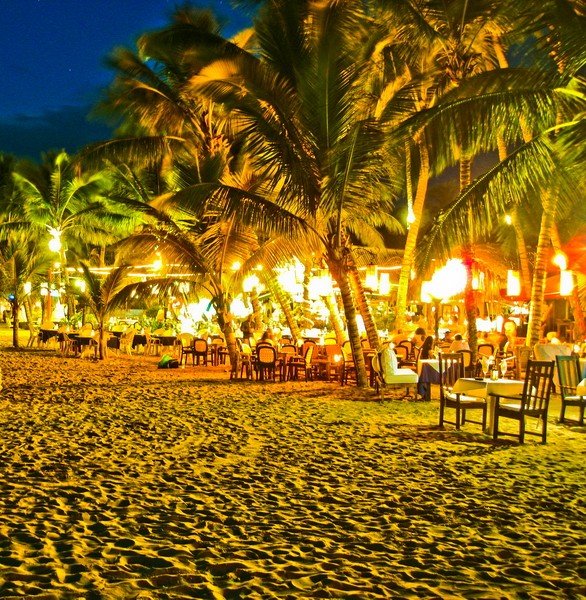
(120, 480)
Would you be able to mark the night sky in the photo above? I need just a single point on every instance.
(52, 69)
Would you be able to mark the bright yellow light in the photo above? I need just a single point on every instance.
(508, 219)
(560, 260)
(236, 265)
(513, 283)
(27, 287)
(384, 284)
(566, 283)
(411, 218)
(448, 281)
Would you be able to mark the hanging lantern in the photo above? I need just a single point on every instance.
(513, 283)
(566, 283)
(384, 284)
(371, 281)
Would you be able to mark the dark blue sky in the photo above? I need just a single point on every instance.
(52, 64)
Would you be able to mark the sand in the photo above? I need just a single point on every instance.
(123, 481)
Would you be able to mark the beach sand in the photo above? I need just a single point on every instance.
(120, 480)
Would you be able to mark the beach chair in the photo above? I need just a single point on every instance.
(186, 348)
(569, 376)
(387, 372)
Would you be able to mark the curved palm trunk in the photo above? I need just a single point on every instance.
(412, 234)
(225, 324)
(338, 270)
(540, 270)
(362, 303)
(284, 302)
(336, 318)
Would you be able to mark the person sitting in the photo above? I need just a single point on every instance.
(268, 338)
(427, 348)
(459, 344)
(448, 339)
(552, 338)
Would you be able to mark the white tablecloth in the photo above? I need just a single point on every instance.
(489, 388)
(432, 362)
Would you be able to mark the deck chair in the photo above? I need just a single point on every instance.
(533, 402)
(451, 368)
(569, 376)
(388, 373)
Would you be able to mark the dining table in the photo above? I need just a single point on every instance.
(483, 387)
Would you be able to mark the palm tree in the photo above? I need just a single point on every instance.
(296, 108)
(22, 258)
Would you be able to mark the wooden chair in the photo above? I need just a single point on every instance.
(186, 349)
(533, 402)
(402, 354)
(288, 352)
(302, 364)
(469, 368)
(451, 368)
(569, 376)
(485, 349)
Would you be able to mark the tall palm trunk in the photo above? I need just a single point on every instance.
(338, 270)
(412, 235)
(15, 325)
(362, 303)
(336, 318)
(226, 328)
(540, 271)
(468, 260)
(284, 302)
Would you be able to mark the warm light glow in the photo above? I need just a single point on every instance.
(508, 219)
(384, 284)
(236, 265)
(448, 281)
(55, 244)
(411, 218)
(560, 260)
(371, 280)
(566, 283)
(80, 284)
(250, 283)
(513, 283)
(55, 241)
(27, 287)
(320, 285)
(425, 294)
(157, 263)
(238, 309)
